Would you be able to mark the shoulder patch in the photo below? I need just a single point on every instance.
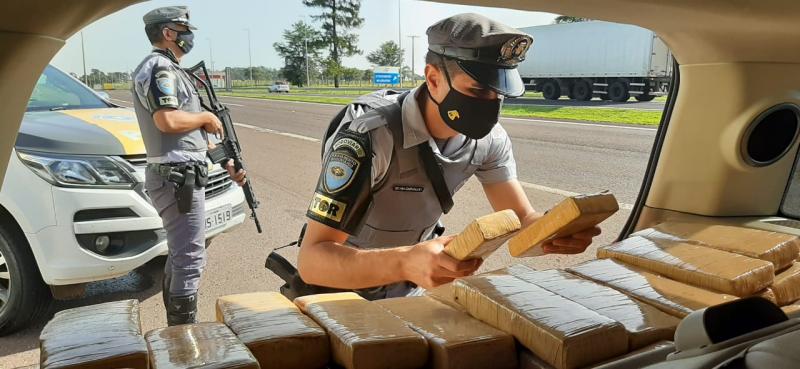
(339, 171)
(165, 81)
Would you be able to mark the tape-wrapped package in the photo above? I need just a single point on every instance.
(696, 265)
(778, 248)
(559, 331)
(787, 285)
(672, 297)
(634, 359)
(456, 340)
(302, 302)
(484, 235)
(573, 214)
(201, 345)
(99, 336)
(644, 323)
(445, 294)
(363, 335)
(275, 331)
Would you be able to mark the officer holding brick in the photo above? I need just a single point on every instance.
(393, 161)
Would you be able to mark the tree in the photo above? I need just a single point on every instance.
(568, 19)
(293, 51)
(338, 17)
(388, 54)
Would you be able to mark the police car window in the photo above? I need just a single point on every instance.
(57, 91)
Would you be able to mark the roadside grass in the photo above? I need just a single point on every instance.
(623, 116)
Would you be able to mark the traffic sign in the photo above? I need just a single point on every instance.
(386, 76)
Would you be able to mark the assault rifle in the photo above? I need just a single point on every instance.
(229, 148)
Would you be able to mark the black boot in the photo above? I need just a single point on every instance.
(182, 309)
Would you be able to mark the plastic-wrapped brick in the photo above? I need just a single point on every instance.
(696, 265)
(275, 331)
(445, 294)
(302, 302)
(99, 336)
(484, 235)
(672, 297)
(198, 346)
(787, 285)
(456, 340)
(778, 248)
(365, 336)
(644, 323)
(559, 331)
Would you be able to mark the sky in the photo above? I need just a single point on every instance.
(117, 42)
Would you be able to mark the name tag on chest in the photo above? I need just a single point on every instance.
(408, 188)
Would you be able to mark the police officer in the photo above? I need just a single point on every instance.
(395, 160)
(175, 132)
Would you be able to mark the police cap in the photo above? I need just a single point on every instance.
(169, 14)
(486, 50)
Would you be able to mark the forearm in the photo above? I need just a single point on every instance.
(332, 264)
(178, 121)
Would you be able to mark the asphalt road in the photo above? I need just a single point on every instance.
(554, 159)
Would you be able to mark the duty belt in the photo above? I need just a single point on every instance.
(186, 176)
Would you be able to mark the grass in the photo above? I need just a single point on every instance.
(623, 116)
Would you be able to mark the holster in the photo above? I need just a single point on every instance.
(293, 286)
(186, 178)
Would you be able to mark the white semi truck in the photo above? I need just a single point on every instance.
(596, 59)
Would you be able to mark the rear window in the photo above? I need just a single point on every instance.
(55, 90)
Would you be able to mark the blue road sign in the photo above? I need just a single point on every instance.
(386, 78)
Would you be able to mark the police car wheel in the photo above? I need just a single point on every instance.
(24, 297)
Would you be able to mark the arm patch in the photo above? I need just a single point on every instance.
(163, 89)
(344, 188)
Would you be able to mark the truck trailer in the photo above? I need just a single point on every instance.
(583, 60)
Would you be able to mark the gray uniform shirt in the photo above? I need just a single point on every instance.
(495, 165)
(158, 83)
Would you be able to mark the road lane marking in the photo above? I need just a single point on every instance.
(524, 184)
(279, 133)
(122, 101)
(232, 104)
(278, 100)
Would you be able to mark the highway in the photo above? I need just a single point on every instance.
(281, 146)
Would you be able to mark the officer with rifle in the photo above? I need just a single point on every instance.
(175, 131)
(392, 162)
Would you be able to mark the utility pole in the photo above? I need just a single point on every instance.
(413, 73)
(83, 56)
(210, 54)
(308, 78)
(400, 42)
(249, 53)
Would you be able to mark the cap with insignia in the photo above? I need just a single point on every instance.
(169, 14)
(486, 50)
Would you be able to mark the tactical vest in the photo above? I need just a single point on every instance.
(157, 143)
(405, 208)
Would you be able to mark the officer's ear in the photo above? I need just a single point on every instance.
(167, 34)
(434, 78)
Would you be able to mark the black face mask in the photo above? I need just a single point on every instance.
(470, 116)
(185, 40)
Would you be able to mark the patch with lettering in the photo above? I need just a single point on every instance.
(351, 144)
(408, 188)
(339, 171)
(327, 207)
